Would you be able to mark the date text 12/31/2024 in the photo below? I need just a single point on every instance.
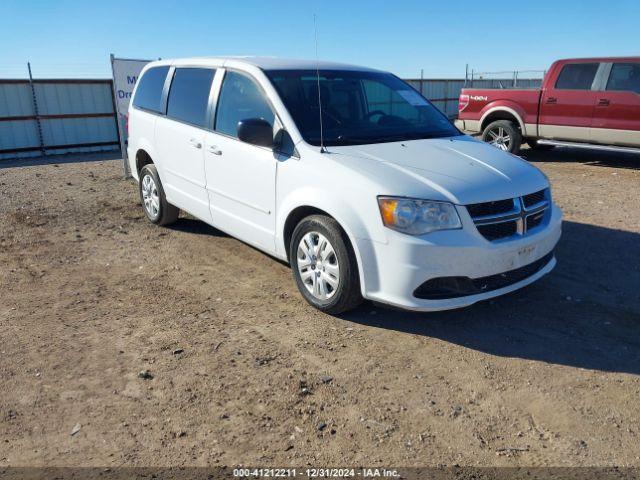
(315, 473)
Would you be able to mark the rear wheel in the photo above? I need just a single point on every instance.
(154, 202)
(503, 134)
(324, 265)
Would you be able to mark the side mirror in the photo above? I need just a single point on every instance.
(256, 132)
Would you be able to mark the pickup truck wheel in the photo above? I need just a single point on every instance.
(504, 135)
(154, 202)
(324, 265)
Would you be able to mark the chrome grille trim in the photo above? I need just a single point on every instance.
(519, 214)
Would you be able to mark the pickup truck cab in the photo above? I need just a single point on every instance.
(346, 173)
(587, 102)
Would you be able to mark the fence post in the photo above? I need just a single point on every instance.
(35, 111)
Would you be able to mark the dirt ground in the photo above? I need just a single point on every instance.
(241, 371)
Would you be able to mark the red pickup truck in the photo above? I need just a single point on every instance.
(586, 102)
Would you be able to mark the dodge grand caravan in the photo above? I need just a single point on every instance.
(345, 172)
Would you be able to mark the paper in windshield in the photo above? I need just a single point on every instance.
(413, 97)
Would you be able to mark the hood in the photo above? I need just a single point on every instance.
(459, 169)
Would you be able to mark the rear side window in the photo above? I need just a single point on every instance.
(240, 99)
(577, 76)
(624, 76)
(149, 91)
(189, 95)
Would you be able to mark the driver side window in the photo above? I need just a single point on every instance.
(240, 99)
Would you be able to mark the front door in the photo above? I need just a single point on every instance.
(180, 137)
(566, 108)
(241, 178)
(617, 109)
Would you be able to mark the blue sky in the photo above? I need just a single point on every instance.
(74, 38)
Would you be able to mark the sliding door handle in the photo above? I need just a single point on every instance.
(604, 102)
(213, 149)
(552, 100)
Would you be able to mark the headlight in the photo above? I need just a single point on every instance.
(417, 217)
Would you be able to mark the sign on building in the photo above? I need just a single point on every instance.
(125, 75)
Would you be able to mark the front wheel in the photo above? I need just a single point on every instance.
(324, 265)
(504, 135)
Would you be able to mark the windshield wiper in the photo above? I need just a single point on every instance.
(399, 137)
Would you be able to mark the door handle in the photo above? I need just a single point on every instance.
(213, 149)
(552, 100)
(604, 102)
(195, 143)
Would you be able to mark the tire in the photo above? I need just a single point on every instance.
(503, 134)
(152, 197)
(339, 275)
(533, 143)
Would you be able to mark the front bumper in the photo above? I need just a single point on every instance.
(392, 271)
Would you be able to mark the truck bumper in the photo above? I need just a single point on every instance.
(472, 126)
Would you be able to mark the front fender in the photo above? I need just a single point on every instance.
(357, 222)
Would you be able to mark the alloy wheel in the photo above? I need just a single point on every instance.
(150, 196)
(318, 266)
(499, 137)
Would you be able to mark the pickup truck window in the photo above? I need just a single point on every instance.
(624, 76)
(577, 76)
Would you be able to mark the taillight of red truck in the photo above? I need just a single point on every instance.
(463, 101)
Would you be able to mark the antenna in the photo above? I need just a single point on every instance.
(315, 30)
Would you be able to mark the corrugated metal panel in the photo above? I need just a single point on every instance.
(15, 100)
(69, 131)
(56, 97)
(18, 134)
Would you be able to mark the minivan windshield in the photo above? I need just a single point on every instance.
(358, 107)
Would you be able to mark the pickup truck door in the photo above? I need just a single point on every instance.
(616, 119)
(567, 106)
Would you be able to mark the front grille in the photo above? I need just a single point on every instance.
(453, 287)
(490, 208)
(534, 198)
(495, 231)
(503, 219)
(535, 220)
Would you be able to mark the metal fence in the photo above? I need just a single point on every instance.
(40, 117)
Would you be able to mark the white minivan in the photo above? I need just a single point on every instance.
(345, 172)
